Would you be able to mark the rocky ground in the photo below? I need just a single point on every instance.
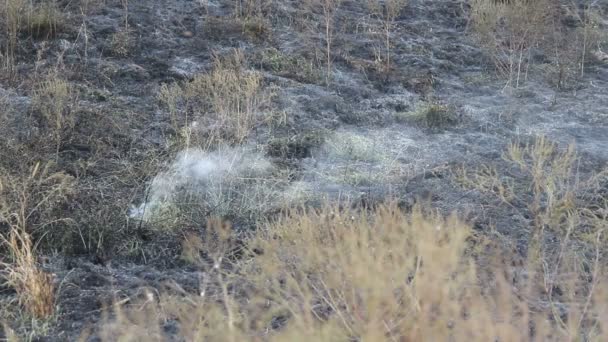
(356, 138)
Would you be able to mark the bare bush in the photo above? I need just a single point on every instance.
(517, 32)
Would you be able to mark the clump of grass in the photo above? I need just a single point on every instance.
(253, 8)
(12, 13)
(39, 19)
(431, 115)
(121, 43)
(355, 159)
(487, 179)
(44, 19)
(55, 99)
(354, 147)
(510, 29)
(26, 204)
(256, 29)
(34, 287)
(283, 64)
(296, 146)
(235, 184)
(225, 101)
(546, 182)
(563, 232)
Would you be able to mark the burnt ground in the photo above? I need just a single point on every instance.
(121, 134)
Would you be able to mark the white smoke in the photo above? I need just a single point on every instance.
(202, 173)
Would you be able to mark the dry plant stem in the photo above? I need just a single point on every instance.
(329, 9)
(387, 11)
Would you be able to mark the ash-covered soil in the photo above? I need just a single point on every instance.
(122, 133)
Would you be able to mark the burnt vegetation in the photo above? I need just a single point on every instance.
(328, 170)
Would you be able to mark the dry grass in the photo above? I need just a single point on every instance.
(518, 32)
(225, 101)
(26, 202)
(39, 19)
(566, 237)
(297, 67)
(44, 19)
(252, 8)
(239, 184)
(34, 287)
(340, 275)
(121, 43)
(55, 99)
(433, 115)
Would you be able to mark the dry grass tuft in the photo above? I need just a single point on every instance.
(44, 19)
(55, 99)
(510, 30)
(40, 19)
(34, 287)
(433, 115)
(225, 102)
(26, 203)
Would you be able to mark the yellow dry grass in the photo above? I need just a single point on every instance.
(342, 275)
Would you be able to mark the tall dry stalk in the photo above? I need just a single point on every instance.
(387, 12)
(328, 10)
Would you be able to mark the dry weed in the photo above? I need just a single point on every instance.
(226, 101)
(328, 9)
(55, 99)
(518, 33)
(386, 12)
(34, 287)
(39, 19)
(511, 30)
(339, 275)
(25, 205)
